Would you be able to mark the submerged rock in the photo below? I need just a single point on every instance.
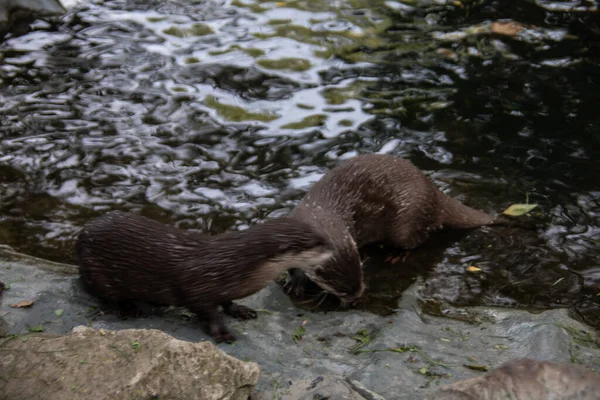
(15, 12)
(524, 378)
(131, 364)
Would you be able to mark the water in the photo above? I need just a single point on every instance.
(215, 115)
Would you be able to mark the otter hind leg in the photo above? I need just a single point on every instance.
(238, 311)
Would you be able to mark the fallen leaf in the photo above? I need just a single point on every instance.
(501, 346)
(519, 209)
(476, 367)
(506, 28)
(22, 304)
(280, 4)
(472, 268)
(59, 312)
(424, 370)
(37, 328)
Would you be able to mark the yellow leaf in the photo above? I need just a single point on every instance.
(519, 209)
(472, 268)
(23, 303)
(280, 4)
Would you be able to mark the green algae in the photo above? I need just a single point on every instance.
(237, 114)
(290, 63)
(310, 121)
(194, 30)
(252, 52)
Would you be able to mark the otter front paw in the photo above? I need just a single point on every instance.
(238, 311)
(297, 282)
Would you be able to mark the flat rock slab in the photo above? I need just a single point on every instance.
(403, 356)
(128, 364)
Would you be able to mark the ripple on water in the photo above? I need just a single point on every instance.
(215, 115)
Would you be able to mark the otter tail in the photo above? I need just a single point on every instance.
(456, 215)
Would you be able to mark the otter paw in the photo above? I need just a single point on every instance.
(224, 337)
(240, 312)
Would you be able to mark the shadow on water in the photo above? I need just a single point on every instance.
(214, 116)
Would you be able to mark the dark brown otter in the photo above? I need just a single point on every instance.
(126, 257)
(374, 198)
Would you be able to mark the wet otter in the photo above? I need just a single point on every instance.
(124, 257)
(374, 198)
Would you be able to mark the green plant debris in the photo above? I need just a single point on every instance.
(289, 63)
(237, 114)
(362, 337)
(424, 370)
(502, 346)
(73, 387)
(179, 89)
(136, 345)
(194, 30)
(519, 209)
(252, 52)
(156, 19)
(299, 333)
(279, 21)
(59, 312)
(191, 60)
(307, 122)
(345, 122)
(83, 362)
(476, 367)
(305, 106)
(445, 340)
(37, 328)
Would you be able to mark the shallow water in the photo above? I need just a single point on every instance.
(214, 115)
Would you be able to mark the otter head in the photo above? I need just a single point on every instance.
(289, 243)
(340, 275)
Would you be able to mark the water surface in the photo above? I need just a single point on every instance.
(215, 115)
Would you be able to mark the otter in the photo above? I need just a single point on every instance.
(124, 257)
(374, 198)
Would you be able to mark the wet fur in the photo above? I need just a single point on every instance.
(126, 257)
(374, 198)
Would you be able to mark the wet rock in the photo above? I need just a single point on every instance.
(406, 355)
(321, 387)
(524, 378)
(132, 364)
(15, 13)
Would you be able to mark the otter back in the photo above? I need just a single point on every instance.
(127, 257)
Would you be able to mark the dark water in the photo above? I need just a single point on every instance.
(215, 115)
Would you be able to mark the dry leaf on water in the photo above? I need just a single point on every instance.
(22, 304)
(506, 28)
(472, 268)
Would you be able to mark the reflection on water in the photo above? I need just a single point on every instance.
(215, 115)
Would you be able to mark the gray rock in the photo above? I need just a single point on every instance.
(131, 364)
(526, 379)
(14, 10)
(406, 355)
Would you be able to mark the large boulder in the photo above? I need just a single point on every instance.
(127, 364)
